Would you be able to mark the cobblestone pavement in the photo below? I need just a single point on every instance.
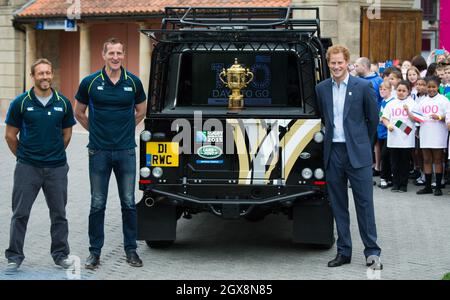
(414, 234)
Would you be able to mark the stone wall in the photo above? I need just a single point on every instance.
(12, 45)
(341, 19)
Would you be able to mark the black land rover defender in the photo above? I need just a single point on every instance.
(199, 155)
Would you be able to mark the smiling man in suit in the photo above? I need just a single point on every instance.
(349, 110)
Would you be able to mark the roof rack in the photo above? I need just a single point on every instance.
(256, 18)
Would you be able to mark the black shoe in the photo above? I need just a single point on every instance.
(339, 260)
(92, 262)
(375, 172)
(414, 174)
(403, 189)
(438, 192)
(424, 191)
(133, 259)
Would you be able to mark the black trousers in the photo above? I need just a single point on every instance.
(386, 171)
(400, 158)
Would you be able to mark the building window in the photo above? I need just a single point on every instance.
(429, 42)
(426, 44)
(429, 8)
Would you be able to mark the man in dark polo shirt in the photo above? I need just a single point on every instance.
(116, 102)
(43, 118)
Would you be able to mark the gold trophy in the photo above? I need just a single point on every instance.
(236, 77)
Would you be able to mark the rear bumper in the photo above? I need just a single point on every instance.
(234, 194)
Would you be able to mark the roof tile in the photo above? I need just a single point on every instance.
(60, 8)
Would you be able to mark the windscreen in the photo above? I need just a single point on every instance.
(275, 82)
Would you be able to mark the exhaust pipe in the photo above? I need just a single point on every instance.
(149, 202)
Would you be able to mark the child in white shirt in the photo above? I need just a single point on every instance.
(433, 134)
(401, 135)
(386, 170)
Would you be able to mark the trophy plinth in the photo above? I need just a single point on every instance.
(236, 80)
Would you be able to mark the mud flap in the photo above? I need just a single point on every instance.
(156, 223)
(313, 223)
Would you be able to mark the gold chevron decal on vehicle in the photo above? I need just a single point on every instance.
(239, 140)
(283, 141)
(262, 133)
(299, 140)
(294, 141)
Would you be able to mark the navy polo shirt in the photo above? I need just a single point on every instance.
(111, 109)
(41, 142)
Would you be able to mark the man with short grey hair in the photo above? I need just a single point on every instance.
(362, 68)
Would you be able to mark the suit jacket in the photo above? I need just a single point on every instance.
(360, 119)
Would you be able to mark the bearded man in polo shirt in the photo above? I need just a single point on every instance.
(43, 118)
(116, 102)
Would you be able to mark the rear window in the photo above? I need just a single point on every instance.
(276, 79)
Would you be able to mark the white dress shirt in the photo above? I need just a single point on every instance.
(339, 93)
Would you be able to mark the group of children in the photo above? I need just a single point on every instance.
(414, 124)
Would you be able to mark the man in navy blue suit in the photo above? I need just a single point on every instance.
(349, 110)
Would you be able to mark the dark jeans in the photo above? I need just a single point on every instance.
(28, 181)
(101, 163)
(400, 158)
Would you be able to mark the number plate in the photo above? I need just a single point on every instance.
(162, 154)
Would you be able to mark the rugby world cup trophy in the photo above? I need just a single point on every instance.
(237, 78)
